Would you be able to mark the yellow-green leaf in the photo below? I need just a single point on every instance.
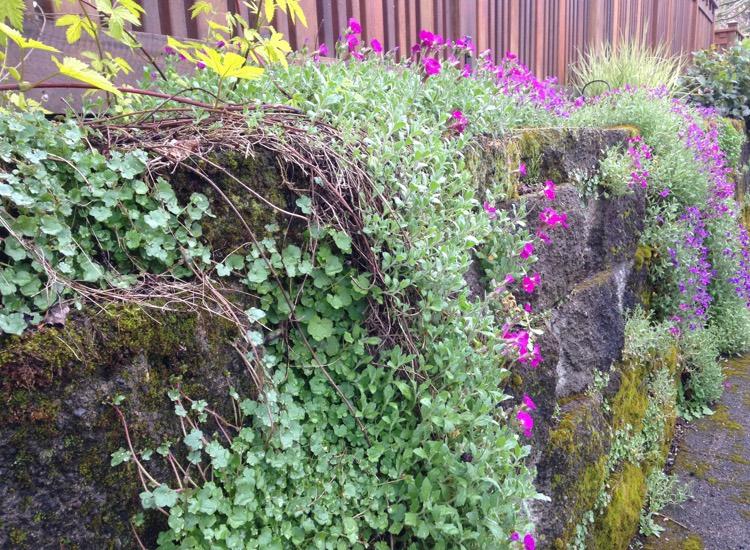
(12, 10)
(78, 70)
(124, 65)
(248, 72)
(296, 11)
(25, 43)
(201, 7)
(270, 6)
(74, 24)
(132, 7)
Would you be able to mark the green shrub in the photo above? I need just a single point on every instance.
(644, 339)
(721, 79)
(661, 491)
(703, 382)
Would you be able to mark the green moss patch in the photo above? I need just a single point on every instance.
(615, 528)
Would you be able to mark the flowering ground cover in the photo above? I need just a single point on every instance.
(385, 417)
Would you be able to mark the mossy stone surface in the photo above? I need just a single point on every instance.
(57, 432)
(615, 528)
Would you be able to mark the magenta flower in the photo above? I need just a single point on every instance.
(519, 340)
(220, 44)
(522, 169)
(527, 251)
(527, 307)
(527, 423)
(460, 122)
(509, 279)
(543, 236)
(466, 71)
(536, 357)
(323, 49)
(431, 66)
(515, 536)
(552, 217)
(352, 41)
(528, 542)
(530, 283)
(169, 50)
(491, 210)
(528, 402)
(549, 190)
(426, 38)
(376, 46)
(201, 65)
(354, 26)
(664, 193)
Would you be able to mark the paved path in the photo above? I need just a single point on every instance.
(714, 458)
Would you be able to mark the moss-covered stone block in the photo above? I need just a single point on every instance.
(57, 431)
(572, 468)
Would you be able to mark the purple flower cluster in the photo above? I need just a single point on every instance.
(702, 137)
(639, 153)
(691, 261)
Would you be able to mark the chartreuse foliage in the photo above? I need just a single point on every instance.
(256, 44)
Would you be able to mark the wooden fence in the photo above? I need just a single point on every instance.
(548, 35)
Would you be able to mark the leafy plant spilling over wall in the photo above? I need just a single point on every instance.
(381, 418)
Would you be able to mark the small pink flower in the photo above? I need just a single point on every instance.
(527, 423)
(426, 37)
(431, 66)
(527, 307)
(377, 47)
(543, 236)
(515, 536)
(352, 41)
(491, 210)
(466, 71)
(536, 357)
(664, 192)
(358, 56)
(460, 122)
(528, 402)
(530, 283)
(527, 251)
(323, 49)
(354, 26)
(201, 65)
(522, 169)
(553, 218)
(528, 542)
(509, 279)
(549, 190)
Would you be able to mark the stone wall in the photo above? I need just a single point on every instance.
(57, 431)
